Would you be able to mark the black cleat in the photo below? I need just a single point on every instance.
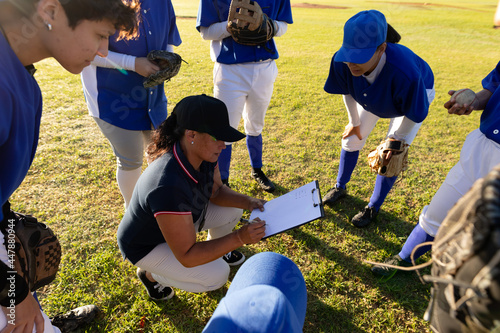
(333, 195)
(76, 318)
(263, 181)
(155, 290)
(365, 217)
(234, 258)
(226, 182)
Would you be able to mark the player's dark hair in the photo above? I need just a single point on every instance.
(164, 138)
(124, 14)
(392, 35)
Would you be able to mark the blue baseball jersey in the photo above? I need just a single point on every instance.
(214, 11)
(20, 114)
(399, 90)
(170, 185)
(490, 118)
(122, 99)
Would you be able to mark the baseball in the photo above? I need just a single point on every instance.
(464, 97)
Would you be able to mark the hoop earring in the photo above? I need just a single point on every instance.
(49, 26)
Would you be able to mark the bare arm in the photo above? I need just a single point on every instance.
(226, 197)
(180, 235)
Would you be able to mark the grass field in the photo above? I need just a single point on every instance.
(71, 185)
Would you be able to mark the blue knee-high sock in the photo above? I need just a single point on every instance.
(254, 146)
(348, 161)
(382, 187)
(417, 236)
(225, 162)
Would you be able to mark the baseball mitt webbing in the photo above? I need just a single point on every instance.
(248, 25)
(169, 63)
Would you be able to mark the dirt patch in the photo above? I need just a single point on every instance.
(313, 5)
(429, 4)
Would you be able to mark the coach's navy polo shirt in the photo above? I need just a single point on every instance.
(399, 90)
(490, 118)
(169, 185)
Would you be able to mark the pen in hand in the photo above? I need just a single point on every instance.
(250, 221)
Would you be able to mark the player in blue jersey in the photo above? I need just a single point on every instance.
(480, 154)
(378, 79)
(243, 76)
(123, 109)
(71, 32)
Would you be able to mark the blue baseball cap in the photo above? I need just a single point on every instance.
(363, 33)
(267, 295)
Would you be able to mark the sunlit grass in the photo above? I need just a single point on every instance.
(72, 185)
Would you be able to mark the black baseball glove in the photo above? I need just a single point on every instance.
(170, 64)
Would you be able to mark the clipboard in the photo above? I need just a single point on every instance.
(291, 210)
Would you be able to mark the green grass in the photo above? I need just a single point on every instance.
(71, 185)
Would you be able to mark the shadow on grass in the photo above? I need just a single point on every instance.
(318, 313)
(404, 289)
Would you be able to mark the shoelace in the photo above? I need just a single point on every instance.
(159, 287)
(228, 255)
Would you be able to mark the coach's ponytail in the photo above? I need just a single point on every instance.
(164, 138)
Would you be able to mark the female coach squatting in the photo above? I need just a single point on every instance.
(378, 79)
(180, 194)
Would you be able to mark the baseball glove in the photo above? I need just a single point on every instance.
(248, 25)
(389, 166)
(465, 296)
(170, 64)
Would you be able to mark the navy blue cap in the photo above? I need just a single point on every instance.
(206, 114)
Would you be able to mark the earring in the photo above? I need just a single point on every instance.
(49, 26)
(192, 142)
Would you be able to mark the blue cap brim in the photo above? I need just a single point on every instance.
(355, 56)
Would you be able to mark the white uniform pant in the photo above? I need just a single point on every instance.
(246, 89)
(168, 271)
(478, 157)
(369, 120)
(48, 328)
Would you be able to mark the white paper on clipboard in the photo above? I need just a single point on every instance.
(292, 209)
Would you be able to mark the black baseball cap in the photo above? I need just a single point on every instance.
(206, 114)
